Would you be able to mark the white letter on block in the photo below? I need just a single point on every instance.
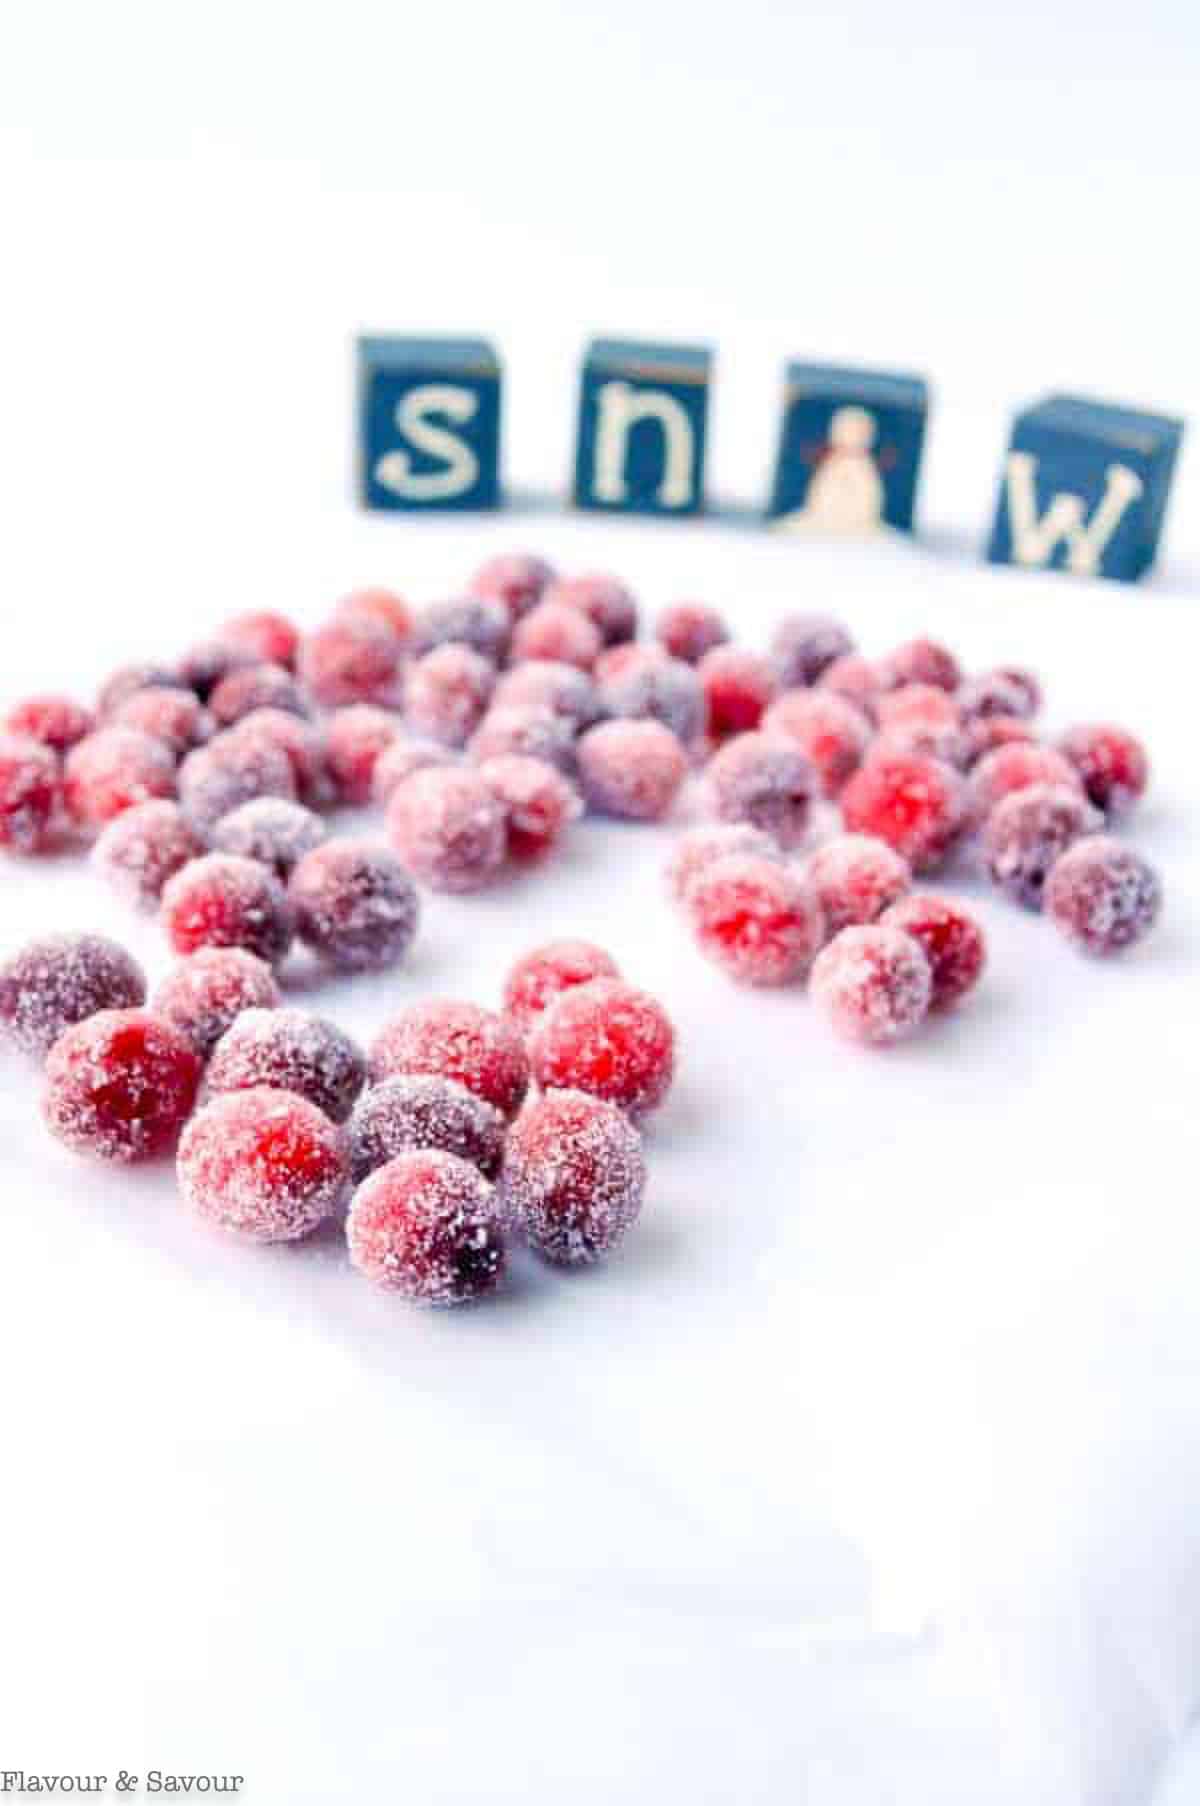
(1034, 540)
(621, 407)
(394, 470)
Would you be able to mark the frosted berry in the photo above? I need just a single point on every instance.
(351, 661)
(518, 579)
(223, 900)
(608, 1039)
(265, 1165)
(206, 992)
(687, 630)
(986, 733)
(113, 769)
(448, 828)
(126, 679)
(913, 802)
(738, 685)
(529, 728)
(1015, 766)
(766, 780)
(480, 622)
(60, 979)
(421, 1110)
(355, 905)
(395, 766)
(701, 847)
(301, 742)
(564, 688)
(557, 631)
(619, 661)
(921, 718)
(1027, 831)
(175, 716)
(54, 721)
(29, 793)
(355, 740)
(447, 692)
(951, 940)
(631, 769)
(256, 687)
(459, 1041)
(544, 974)
(856, 679)
(921, 662)
(204, 665)
(832, 733)
(1112, 766)
(234, 768)
(1103, 895)
(606, 602)
(120, 1085)
(539, 804)
(873, 982)
(378, 609)
(267, 637)
(654, 687)
(273, 830)
(426, 1226)
(140, 849)
(290, 1050)
(994, 694)
(574, 1176)
(855, 878)
(803, 646)
(756, 918)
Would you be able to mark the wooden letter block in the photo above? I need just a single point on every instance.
(849, 450)
(429, 423)
(643, 417)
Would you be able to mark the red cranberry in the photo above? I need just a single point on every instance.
(120, 1085)
(265, 1165)
(457, 1041)
(223, 900)
(206, 992)
(426, 1226)
(574, 1176)
(61, 979)
(290, 1050)
(608, 1039)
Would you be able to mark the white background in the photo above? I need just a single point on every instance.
(868, 1472)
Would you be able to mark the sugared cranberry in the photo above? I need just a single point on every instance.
(395, 766)
(29, 792)
(61, 979)
(701, 847)
(206, 992)
(856, 679)
(951, 940)
(832, 733)
(608, 1039)
(1027, 831)
(54, 721)
(420, 1110)
(204, 665)
(266, 1165)
(234, 768)
(539, 804)
(256, 687)
(985, 733)
(756, 918)
(376, 608)
(921, 718)
(355, 740)
(301, 742)
(480, 622)
(457, 1041)
(921, 662)
(276, 832)
(426, 1226)
(1015, 766)
(631, 769)
(574, 1176)
(223, 900)
(128, 678)
(448, 828)
(120, 1085)
(1102, 895)
(687, 630)
(140, 849)
(1111, 763)
(913, 802)
(766, 780)
(559, 632)
(112, 770)
(518, 579)
(855, 878)
(608, 604)
(268, 637)
(529, 728)
(355, 905)
(654, 687)
(804, 646)
(738, 686)
(290, 1050)
(176, 717)
(993, 694)
(873, 983)
(351, 661)
(564, 688)
(545, 973)
(447, 692)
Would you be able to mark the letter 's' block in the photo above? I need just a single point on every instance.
(850, 448)
(643, 420)
(1084, 488)
(429, 423)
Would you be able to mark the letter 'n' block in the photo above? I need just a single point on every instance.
(428, 423)
(1084, 488)
(643, 420)
(850, 446)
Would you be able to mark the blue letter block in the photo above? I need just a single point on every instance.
(1084, 488)
(849, 450)
(429, 423)
(643, 415)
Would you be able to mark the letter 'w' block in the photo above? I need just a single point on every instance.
(1084, 488)
(428, 423)
(643, 419)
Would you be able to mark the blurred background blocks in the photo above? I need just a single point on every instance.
(429, 423)
(850, 447)
(643, 420)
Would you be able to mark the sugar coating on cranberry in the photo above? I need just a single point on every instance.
(609, 1039)
(378, 609)
(421, 1110)
(855, 878)
(29, 793)
(204, 665)
(355, 740)
(921, 718)
(738, 686)
(912, 801)
(140, 849)
(803, 646)
(993, 694)
(355, 905)
(447, 692)
(544, 973)
(448, 828)
(539, 804)
(657, 688)
(985, 733)
(525, 727)
(112, 770)
(270, 638)
(290, 1050)
(564, 688)
(231, 770)
(766, 780)
(921, 662)
(574, 1176)
(120, 1085)
(55, 721)
(481, 622)
(687, 630)
(276, 832)
(426, 1226)
(873, 983)
(126, 679)
(855, 678)
(459, 1041)
(302, 744)
(206, 992)
(518, 579)
(757, 918)
(58, 980)
(265, 1165)
(832, 733)
(395, 766)
(256, 687)
(350, 661)
(223, 900)
(1015, 766)
(175, 716)
(607, 602)
(1027, 831)
(631, 769)
(701, 847)
(951, 940)
(1103, 895)
(557, 631)
(1111, 763)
